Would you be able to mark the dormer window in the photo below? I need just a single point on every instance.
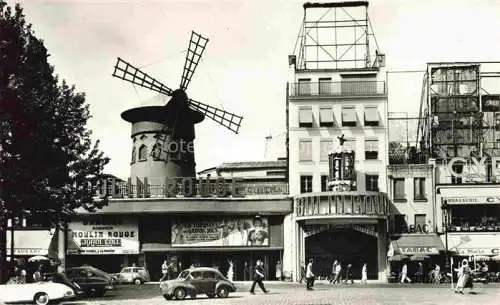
(143, 153)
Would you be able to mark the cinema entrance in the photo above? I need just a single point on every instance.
(350, 228)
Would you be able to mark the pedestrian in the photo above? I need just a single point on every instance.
(348, 274)
(332, 274)
(246, 271)
(338, 273)
(404, 274)
(164, 271)
(437, 274)
(464, 278)
(302, 272)
(258, 276)
(364, 274)
(420, 272)
(279, 271)
(310, 275)
(38, 275)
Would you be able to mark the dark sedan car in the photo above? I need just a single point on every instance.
(91, 280)
(196, 281)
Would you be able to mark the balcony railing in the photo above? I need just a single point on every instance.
(347, 88)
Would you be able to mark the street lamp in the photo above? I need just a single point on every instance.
(444, 208)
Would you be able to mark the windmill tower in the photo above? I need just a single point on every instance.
(163, 135)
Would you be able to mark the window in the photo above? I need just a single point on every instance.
(419, 189)
(305, 150)
(326, 117)
(420, 221)
(156, 151)
(325, 147)
(325, 86)
(306, 184)
(304, 86)
(305, 117)
(143, 153)
(371, 116)
(399, 189)
(372, 183)
(133, 154)
(371, 149)
(324, 183)
(458, 169)
(349, 116)
(209, 275)
(196, 275)
(349, 145)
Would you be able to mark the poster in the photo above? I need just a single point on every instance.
(227, 232)
(101, 237)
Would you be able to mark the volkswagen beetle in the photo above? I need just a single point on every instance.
(192, 282)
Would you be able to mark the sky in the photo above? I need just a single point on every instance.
(244, 68)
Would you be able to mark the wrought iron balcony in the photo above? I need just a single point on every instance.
(346, 88)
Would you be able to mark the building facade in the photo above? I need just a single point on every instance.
(331, 97)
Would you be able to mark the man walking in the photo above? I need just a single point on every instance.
(338, 273)
(258, 276)
(310, 275)
(404, 274)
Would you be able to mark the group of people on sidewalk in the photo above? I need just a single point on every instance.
(335, 277)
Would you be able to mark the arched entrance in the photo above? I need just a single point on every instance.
(346, 246)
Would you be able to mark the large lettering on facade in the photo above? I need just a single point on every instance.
(474, 167)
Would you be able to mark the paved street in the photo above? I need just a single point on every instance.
(323, 294)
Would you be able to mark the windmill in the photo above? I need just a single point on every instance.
(173, 123)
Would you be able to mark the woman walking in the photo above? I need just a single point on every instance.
(464, 278)
(364, 274)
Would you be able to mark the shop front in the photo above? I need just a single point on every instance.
(229, 243)
(476, 248)
(348, 227)
(415, 250)
(105, 242)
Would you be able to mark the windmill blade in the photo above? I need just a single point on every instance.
(197, 45)
(126, 71)
(229, 120)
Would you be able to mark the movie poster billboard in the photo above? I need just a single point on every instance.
(99, 237)
(226, 232)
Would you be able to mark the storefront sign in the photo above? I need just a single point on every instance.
(479, 251)
(101, 237)
(229, 232)
(419, 250)
(414, 229)
(29, 242)
(473, 200)
(318, 228)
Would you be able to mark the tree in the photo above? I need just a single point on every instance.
(48, 164)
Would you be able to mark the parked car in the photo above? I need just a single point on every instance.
(196, 281)
(136, 275)
(40, 293)
(93, 282)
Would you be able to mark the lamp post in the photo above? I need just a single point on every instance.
(444, 208)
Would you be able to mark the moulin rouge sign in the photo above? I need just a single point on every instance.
(475, 167)
(192, 187)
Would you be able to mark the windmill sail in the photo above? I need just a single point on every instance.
(197, 45)
(126, 71)
(229, 120)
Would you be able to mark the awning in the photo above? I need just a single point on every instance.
(418, 244)
(371, 114)
(30, 242)
(474, 244)
(466, 195)
(159, 247)
(305, 116)
(348, 114)
(326, 116)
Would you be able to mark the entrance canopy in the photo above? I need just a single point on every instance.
(418, 244)
(30, 242)
(474, 244)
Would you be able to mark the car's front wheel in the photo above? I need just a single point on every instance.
(222, 292)
(137, 282)
(180, 293)
(167, 297)
(41, 298)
